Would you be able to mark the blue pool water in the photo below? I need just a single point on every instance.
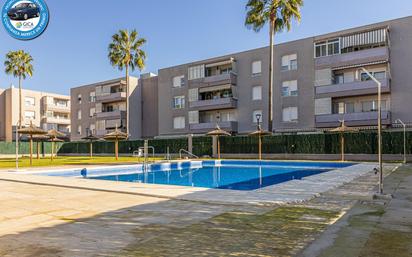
(234, 175)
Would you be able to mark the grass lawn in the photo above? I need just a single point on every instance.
(68, 160)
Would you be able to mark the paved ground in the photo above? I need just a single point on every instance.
(39, 220)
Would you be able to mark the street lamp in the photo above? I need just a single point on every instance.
(404, 138)
(258, 117)
(379, 125)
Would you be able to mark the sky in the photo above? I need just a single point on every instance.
(73, 49)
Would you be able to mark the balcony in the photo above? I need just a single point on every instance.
(112, 97)
(352, 119)
(57, 108)
(222, 79)
(230, 126)
(380, 54)
(111, 115)
(356, 88)
(57, 120)
(214, 104)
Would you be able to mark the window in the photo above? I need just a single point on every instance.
(289, 62)
(257, 93)
(79, 114)
(29, 101)
(325, 48)
(257, 112)
(372, 106)
(290, 88)
(196, 72)
(93, 129)
(290, 114)
(179, 122)
(349, 107)
(92, 97)
(339, 79)
(179, 102)
(79, 98)
(92, 112)
(178, 81)
(79, 129)
(256, 68)
(29, 115)
(377, 74)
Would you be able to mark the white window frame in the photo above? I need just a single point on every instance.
(257, 93)
(79, 114)
(256, 70)
(290, 117)
(79, 129)
(178, 81)
(179, 124)
(286, 62)
(288, 85)
(92, 112)
(30, 117)
(28, 103)
(179, 102)
(326, 43)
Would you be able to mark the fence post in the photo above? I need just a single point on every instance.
(214, 146)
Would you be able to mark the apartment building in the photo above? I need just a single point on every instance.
(45, 110)
(101, 107)
(318, 82)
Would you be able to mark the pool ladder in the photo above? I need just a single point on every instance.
(188, 153)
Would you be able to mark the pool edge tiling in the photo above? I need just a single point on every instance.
(288, 192)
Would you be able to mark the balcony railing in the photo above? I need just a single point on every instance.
(57, 120)
(353, 58)
(113, 114)
(214, 104)
(57, 108)
(230, 126)
(352, 119)
(352, 89)
(221, 79)
(112, 97)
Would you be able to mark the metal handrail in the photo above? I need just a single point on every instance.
(187, 152)
(142, 148)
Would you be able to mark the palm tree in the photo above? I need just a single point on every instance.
(279, 14)
(125, 52)
(19, 64)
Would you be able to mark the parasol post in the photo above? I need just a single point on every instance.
(260, 147)
(91, 149)
(31, 149)
(218, 147)
(116, 149)
(38, 150)
(342, 147)
(52, 150)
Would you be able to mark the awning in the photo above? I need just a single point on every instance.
(221, 63)
(214, 88)
(359, 65)
(365, 38)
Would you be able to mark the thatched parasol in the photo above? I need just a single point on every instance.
(342, 129)
(38, 139)
(116, 136)
(218, 132)
(259, 133)
(54, 137)
(91, 139)
(31, 130)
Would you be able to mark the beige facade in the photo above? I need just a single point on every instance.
(45, 110)
(100, 107)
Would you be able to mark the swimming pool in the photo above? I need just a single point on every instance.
(226, 174)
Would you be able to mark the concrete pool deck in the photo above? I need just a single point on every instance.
(41, 220)
(294, 191)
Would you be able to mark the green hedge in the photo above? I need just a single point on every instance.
(10, 147)
(355, 143)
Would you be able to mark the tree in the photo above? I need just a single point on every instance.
(279, 14)
(125, 53)
(19, 64)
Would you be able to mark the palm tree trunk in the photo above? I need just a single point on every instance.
(20, 105)
(270, 102)
(127, 99)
